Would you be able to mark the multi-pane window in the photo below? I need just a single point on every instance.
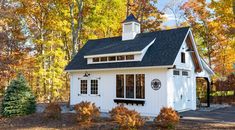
(130, 86)
(94, 86)
(140, 85)
(83, 87)
(176, 72)
(113, 58)
(185, 73)
(182, 57)
(120, 86)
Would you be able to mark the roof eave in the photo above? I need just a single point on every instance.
(124, 68)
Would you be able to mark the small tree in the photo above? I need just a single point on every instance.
(18, 99)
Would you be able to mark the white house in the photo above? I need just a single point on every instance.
(144, 71)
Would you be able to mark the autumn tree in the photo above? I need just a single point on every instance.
(224, 31)
(40, 37)
(47, 28)
(14, 49)
(213, 28)
(147, 13)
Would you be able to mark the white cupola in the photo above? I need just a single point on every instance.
(130, 28)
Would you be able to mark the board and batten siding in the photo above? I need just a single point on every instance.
(182, 85)
(154, 100)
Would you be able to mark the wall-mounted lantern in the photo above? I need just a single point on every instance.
(86, 74)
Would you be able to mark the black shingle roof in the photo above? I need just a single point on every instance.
(161, 53)
(130, 18)
(116, 45)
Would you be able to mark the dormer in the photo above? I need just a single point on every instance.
(130, 28)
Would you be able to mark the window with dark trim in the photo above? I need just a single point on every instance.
(130, 57)
(185, 73)
(120, 57)
(103, 59)
(176, 72)
(83, 88)
(182, 57)
(140, 86)
(97, 59)
(112, 58)
(120, 86)
(129, 86)
(94, 86)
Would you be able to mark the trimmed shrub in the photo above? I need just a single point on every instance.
(18, 99)
(168, 118)
(52, 111)
(127, 119)
(86, 111)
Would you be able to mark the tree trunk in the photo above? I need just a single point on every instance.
(76, 30)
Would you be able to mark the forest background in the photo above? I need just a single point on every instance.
(39, 37)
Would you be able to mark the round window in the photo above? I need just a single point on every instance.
(156, 84)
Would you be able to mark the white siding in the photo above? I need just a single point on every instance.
(182, 85)
(154, 100)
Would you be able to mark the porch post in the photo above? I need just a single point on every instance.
(208, 92)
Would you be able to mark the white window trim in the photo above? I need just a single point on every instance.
(80, 88)
(97, 88)
(114, 54)
(89, 87)
(115, 61)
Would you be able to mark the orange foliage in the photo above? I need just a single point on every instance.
(127, 119)
(53, 111)
(86, 111)
(167, 118)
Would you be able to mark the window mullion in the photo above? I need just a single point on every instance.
(88, 88)
(134, 86)
(124, 85)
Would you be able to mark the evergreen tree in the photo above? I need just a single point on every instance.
(18, 99)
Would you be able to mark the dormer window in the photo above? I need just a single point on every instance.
(130, 57)
(120, 57)
(96, 59)
(103, 59)
(112, 58)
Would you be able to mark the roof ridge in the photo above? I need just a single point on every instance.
(104, 38)
(141, 33)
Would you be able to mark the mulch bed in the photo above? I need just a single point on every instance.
(68, 122)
